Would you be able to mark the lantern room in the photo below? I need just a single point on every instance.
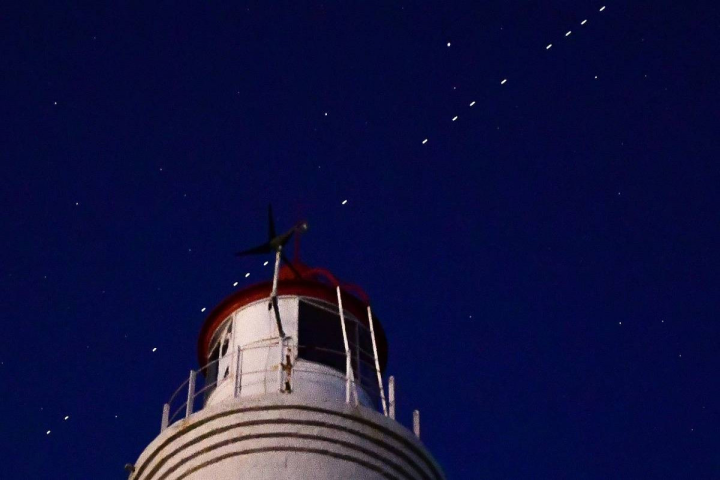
(332, 349)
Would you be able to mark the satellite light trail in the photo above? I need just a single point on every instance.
(504, 81)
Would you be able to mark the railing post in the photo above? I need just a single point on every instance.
(282, 362)
(391, 396)
(416, 423)
(165, 418)
(377, 362)
(191, 394)
(348, 362)
(238, 373)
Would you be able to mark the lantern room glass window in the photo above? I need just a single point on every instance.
(219, 360)
(320, 340)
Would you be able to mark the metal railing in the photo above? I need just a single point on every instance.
(196, 390)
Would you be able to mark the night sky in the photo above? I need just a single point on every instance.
(545, 266)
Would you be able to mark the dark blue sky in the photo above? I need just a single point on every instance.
(545, 267)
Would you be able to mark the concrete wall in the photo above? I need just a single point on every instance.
(283, 437)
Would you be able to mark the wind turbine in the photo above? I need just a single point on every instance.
(275, 244)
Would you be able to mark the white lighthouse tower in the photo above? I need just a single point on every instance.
(290, 387)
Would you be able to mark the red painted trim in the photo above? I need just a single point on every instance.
(304, 288)
(345, 286)
(324, 273)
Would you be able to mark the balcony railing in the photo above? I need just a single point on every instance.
(194, 393)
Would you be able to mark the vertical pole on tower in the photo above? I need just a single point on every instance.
(277, 270)
(191, 394)
(391, 396)
(348, 362)
(238, 372)
(416, 423)
(165, 418)
(273, 294)
(377, 362)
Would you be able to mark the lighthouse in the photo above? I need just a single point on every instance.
(291, 385)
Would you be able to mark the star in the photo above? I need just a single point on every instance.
(265, 264)
(235, 284)
(154, 349)
(503, 82)
(548, 47)
(583, 22)
(203, 309)
(454, 118)
(568, 33)
(448, 44)
(344, 202)
(424, 141)
(66, 417)
(247, 274)
(472, 103)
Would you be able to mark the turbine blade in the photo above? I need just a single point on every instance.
(260, 249)
(281, 240)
